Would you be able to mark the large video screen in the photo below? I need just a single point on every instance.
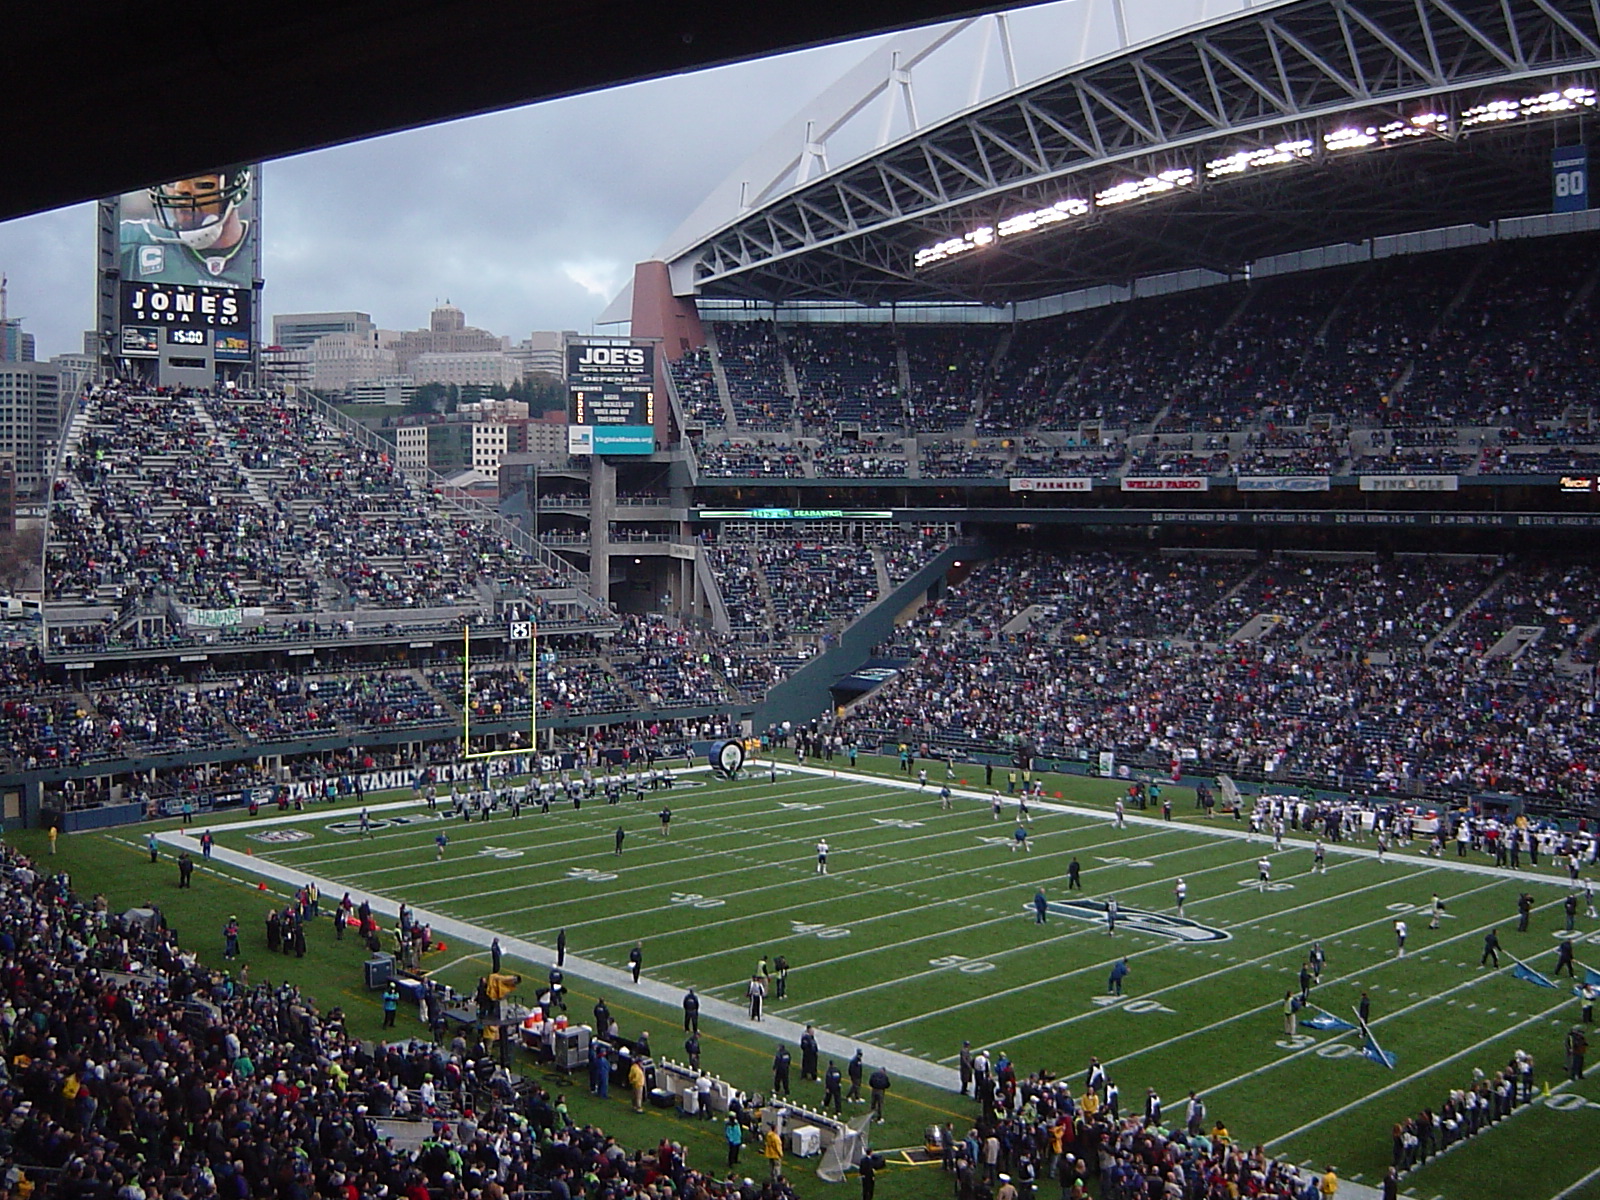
(187, 251)
(611, 398)
(195, 231)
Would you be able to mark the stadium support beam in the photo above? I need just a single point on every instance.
(303, 76)
(1288, 71)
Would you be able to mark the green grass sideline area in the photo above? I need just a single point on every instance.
(923, 933)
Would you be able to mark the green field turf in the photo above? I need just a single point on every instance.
(922, 934)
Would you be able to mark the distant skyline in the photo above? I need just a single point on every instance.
(533, 219)
(527, 219)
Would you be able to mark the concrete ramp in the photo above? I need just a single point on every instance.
(1020, 622)
(1257, 627)
(1515, 640)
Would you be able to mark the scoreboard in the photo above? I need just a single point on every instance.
(611, 402)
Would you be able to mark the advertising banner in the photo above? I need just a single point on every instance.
(1282, 483)
(1410, 483)
(1029, 483)
(1166, 483)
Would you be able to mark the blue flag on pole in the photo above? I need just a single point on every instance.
(1377, 1053)
(1591, 976)
(1524, 971)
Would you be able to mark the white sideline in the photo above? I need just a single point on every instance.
(611, 980)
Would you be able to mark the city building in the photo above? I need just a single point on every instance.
(15, 345)
(8, 497)
(494, 410)
(30, 421)
(76, 371)
(450, 446)
(294, 331)
(543, 439)
(393, 390)
(543, 352)
(341, 360)
(466, 368)
(447, 333)
(286, 368)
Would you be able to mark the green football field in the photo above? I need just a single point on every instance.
(923, 933)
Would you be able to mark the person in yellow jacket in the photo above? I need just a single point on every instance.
(772, 1151)
(636, 1082)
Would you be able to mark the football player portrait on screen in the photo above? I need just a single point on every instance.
(194, 230)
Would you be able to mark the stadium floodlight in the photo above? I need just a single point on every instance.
(1266, 156)
(1350, 138)
(1061, 210)
(1150, 185)
(1358, 135)
(974, 239)
(1567, 100)
(986, 235)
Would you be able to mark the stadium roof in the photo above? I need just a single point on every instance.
(1284, 127)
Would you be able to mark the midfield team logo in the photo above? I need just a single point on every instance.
(1137, 920)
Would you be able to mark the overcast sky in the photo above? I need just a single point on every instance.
(530, 219)
(533, 219)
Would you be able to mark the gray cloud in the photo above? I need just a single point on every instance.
(534, 218)
(508, 215)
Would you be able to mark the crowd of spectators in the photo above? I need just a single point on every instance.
(671, 666)
(132, 1070)
(963, 460)
(696, 381)
(52, 717)
(226, 501)
(748, 460)
(1520, 347)
(1038, 1131)
(866, 457)
(1496, 336)
(948, 370)
(816, 587)
(1401, 604)
(752, 363)
(846, 373)
(1084, 675)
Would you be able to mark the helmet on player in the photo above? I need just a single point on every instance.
(197, 209)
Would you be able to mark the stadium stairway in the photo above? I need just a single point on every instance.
(809, 687)
(730, 420)
(1444, 635)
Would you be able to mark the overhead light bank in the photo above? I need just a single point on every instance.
(1346, 138)
(1061, 210)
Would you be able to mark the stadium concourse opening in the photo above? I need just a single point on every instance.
(492, 706)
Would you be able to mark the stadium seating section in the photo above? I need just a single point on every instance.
(1480, 361)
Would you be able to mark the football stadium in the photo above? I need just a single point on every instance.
(1060, 658)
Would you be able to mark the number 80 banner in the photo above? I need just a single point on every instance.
(1569, 167)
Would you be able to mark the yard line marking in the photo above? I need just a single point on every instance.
(1354, 978)
(1399, 1083)
(1311, 1049)
(1088, 930)
(804, 867)
(587, 828)
(1261, 960)
(1240, 833)
(1577, 1187)
(800, 862)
